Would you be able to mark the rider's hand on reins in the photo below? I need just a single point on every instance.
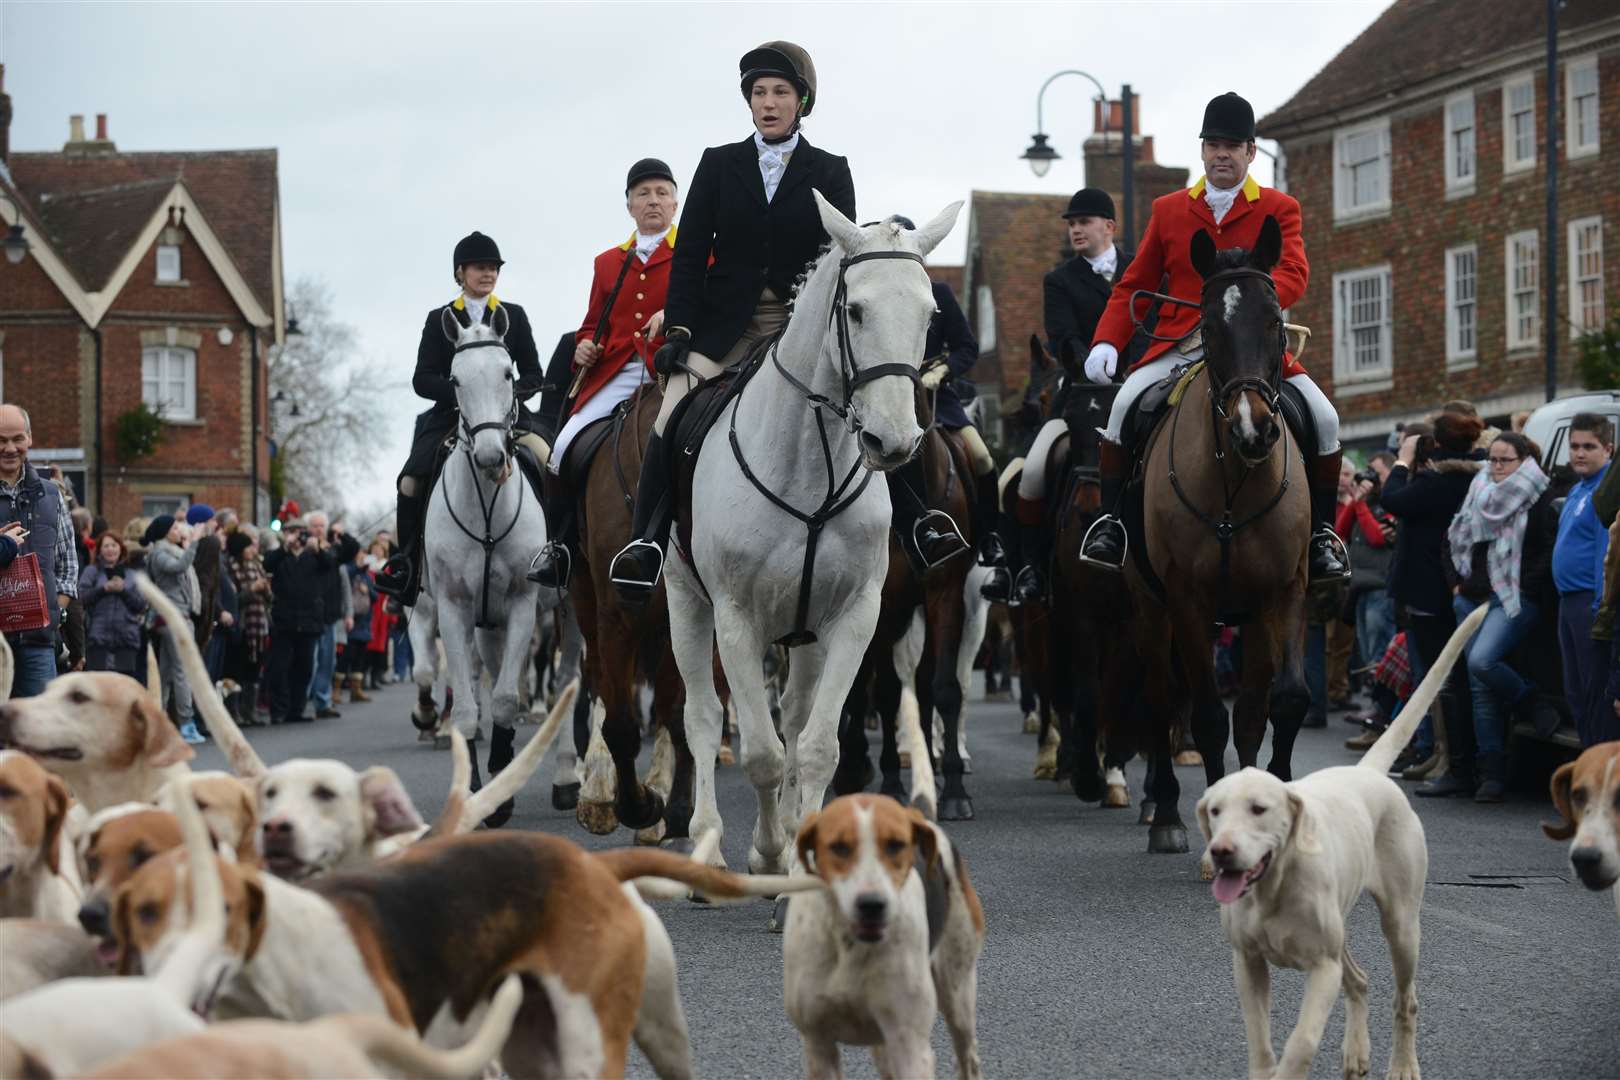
(1102, 362)
(671, 356)
(933, 376)
(587, 353)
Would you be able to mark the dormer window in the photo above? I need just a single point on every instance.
(168, 264)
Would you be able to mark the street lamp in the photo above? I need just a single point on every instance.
(1040, 155)
(16, 244)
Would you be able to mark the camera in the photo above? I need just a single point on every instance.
(116, 572)
(1367, 476)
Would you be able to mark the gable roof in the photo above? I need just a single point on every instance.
(1398, 52)
(234, 189)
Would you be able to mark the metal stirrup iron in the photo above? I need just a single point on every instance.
(1124, 551)
(658, 572)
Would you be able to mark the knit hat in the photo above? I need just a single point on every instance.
(238, 542)
(199, 513)
(157, 530)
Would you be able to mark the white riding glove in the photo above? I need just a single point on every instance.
(1101, 363)
(934, 376)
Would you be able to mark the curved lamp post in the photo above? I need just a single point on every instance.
(1040, 154)
(15, 243)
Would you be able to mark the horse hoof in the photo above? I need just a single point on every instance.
(956, 808)
(1087, 785)
(1116, 798)
(1148, 810)
(778, 921)
(894, 789)
(650, 837)
(441, 742)
(1032, 724)
(1063, 774)
(500, 815)
(725, 757)
(564, 796)
(1167, 840)
(1189, 758)
(679, 845)
(848, 780)
(597, 818)
(651, 816)
(1046, 767)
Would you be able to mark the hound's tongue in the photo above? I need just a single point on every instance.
(1228, 885)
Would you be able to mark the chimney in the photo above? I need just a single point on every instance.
(80, 146)
(101, 127)
(75, 129)
(5, 119)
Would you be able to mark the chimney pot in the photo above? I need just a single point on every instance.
(76, 128)
(101, 127)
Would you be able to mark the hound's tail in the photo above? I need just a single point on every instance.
(510, 780)
(907, 655)
(245, 761)
(188, 966)
(663, 875)
(448, 823)
(404, 1053)
(8, 669)
(1383, 753)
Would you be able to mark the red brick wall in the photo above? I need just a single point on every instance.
(42, 375)
(1423, 223)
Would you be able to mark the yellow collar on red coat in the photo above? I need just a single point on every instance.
(460, 302)
(1251, 188)
(630, 243)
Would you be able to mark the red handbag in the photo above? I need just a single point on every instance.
(23, 603)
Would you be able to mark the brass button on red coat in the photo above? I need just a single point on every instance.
(639, 296)
(643, 277)
(638, 315)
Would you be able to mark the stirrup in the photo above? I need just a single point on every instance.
(1124, 551)
(1037, 595)
(637, 583)
(947, 529)
(1340, 551)
(558, 552)
(399, 583)
(998, 587)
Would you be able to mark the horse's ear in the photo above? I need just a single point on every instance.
(1268, 249)
(844, 232)
(1203, 253)
(449, 324)
(1039, 358)
(1071, 363)
(500, 322)
(929, 236)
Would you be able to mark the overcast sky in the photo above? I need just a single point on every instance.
(401, 127)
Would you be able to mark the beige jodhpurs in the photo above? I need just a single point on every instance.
(770, 315)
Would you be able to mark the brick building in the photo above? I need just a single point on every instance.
(151, 278)
(1418, 157)
(1014, 239)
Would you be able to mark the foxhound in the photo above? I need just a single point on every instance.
(36, 880)
(1587, 794)
(1290, 861)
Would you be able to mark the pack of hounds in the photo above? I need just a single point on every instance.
(302, 920)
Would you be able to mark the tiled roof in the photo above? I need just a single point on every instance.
(1403, 49)
(236, 190)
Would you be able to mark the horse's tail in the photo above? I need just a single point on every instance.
(1395, 737)
(244, 760)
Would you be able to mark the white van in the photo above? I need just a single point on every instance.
(1549, 425)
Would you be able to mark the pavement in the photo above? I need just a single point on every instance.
(1101, 960)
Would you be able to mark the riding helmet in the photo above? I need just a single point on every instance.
(475, 247)
(1228, 117)
(647, 169)
(1090, 202)
(785, 60)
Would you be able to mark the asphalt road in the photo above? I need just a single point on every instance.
(1104, 961)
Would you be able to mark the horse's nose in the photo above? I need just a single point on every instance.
(1270, 431)
(873, 445)
(487, 457)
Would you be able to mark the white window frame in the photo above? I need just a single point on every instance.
(1510, 292)
(1456, 354)
(1576, 326)
(171, 365)
(1345, 373)
(1510, 163)
(168, 264)
(1454, 182)
(1343, 178)
(1573, 146)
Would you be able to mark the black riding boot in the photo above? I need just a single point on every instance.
(986, 511)
(999, 589)
(552, 567)
(399, 576)
(928, 536)
(637, 568)
(1035, 550)
(500, 756)
(1328, 559)
(1105, 542)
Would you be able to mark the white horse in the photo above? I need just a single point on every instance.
(835, 400)
(483, 527)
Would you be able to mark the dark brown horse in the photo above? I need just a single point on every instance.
(622, 645)
(940, 595)
(1226, 520)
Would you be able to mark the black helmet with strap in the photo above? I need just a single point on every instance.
(475, 247)
(785, 60)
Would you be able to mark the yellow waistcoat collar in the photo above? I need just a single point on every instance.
(630, 243)
(1251, 188)
(460, 302)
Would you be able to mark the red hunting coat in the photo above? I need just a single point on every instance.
(1166, 248)
(641, 295)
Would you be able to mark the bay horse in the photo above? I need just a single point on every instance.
(940, 593)
(788, 536)
(483, 524)
(1225, 527)
(622, 643)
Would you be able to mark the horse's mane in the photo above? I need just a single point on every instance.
(1231, 258)
(807, 273)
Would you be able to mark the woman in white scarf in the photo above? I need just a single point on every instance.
(1501, 554)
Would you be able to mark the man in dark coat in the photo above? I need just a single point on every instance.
(298, 615)
(477, 264)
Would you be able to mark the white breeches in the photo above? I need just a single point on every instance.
(1032, 482)
(1322, 410)
(770, 315)
(600, 404)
